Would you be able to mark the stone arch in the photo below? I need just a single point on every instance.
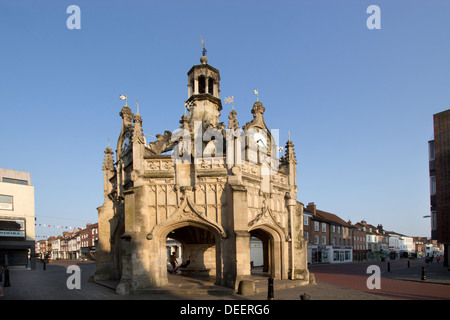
(202, 242)
(274, 249)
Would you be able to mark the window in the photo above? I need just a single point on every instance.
(316, 239)
(333, 228)
(432, 185)
(324, 227)
(16, 181)
(305, 221)
(431, 149)
(316, 225)
(306, 235)
(324, 240)
(6, 202)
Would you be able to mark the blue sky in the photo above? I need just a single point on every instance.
(358, 103)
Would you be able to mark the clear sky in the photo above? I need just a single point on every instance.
(358, 103)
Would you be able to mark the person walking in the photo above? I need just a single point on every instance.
(183, 265)
(173, 261)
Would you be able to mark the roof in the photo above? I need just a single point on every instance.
(330, 217)
(327, 217)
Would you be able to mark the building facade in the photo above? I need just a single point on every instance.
(210, 186)
(440, 181)
(329, 237)
(75, 245)
(17, 232)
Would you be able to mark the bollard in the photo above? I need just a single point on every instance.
(389, 267)
(408, 264)
(304, 297)
(270, 290)
(424, 277)
(44, 266)
(6, 282)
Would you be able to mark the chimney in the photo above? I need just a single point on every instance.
(311, 207)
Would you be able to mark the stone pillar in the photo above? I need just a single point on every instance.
(237, 266)
(104, 256)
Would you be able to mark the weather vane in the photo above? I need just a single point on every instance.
(257, 94)
(203, 44)
(124, 97)
(230, 100)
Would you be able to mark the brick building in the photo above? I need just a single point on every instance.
(359, 243)
(440, 182)
(329, 237)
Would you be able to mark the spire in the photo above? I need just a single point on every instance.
(108, 161)
(138, 134)
(233, 123)
(290, 153)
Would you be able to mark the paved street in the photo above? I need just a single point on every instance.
(334, 282)
(400, 282)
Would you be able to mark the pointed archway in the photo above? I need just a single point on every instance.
(274, 250)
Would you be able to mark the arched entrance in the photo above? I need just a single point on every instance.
(273, 251)
(200, 244)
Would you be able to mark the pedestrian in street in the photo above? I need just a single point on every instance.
(438, 257)
(183, 265)
(173, 261)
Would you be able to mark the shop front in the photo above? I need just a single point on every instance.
(319, 254)
(341, 254)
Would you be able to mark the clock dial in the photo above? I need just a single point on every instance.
(261, 139)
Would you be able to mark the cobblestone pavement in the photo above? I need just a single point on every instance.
(334, 282)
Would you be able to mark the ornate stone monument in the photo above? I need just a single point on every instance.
(207, 185)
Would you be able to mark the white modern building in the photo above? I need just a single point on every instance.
(17, 232)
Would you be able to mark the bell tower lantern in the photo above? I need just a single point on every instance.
(204, 92)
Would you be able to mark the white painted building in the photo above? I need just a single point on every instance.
(17, 231)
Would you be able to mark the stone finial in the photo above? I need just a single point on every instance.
(258, 116)
(108, 162)
(290, 153)
(126, 115)
(184, 122)
(233, 123)
(138, 134)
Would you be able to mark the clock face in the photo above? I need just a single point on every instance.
(261, 139)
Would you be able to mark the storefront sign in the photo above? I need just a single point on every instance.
(12, 227)
(13, 234)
